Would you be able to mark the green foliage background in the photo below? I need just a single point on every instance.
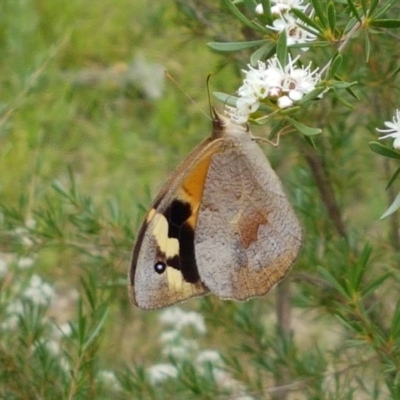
(84, 150)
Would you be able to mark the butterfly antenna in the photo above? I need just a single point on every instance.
(209, 95)
(168, 75)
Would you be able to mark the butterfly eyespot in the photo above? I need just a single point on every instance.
(160, 267)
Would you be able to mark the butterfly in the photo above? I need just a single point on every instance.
(222, 224)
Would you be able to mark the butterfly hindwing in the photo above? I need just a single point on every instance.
(247, 235)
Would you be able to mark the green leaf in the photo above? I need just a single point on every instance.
(310, 141)
(304, 129)
(341, 98)
(385, 8)
(306, 19)
(395, 324)
(364, 6)
(336, 63)
(267, 10)
(340, 84)
(354, 10)
(372, 6)
(227, 99)
(281, 48)
(331, 16)
(393, 178)
(385, 23)
(235, 11)
(311, 96)
(332, 281)
(262, 53)
(275, 129)
(383, 150)
(251, 6)
(367, 47)
(394, 207)
(372, 286)
(320, 12)
(357, 271)
(234, 46)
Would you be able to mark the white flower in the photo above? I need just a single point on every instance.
(295, 32)
(13, 312)
(160, 372)
(179, 319)
(282, 6)
(38, 292)
(25, 262)
(180, 349)
(285, 102)
(299, 81)
(259, 9)
(209, 357)
(393, 130)
(282, 84)
(108, 379)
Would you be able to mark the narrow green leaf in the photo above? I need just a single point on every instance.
(357, 271)
(395, 324)
(393, 178)
(385, 23)
(264, 52)
(367, 47)
(372, 286)
(320, 12)
(304, 129)
(244, 20)
(353, 10)
(341, 98)
(364, 6)
(227, 99)
(372, 6)
(329, 278)
(384, 9)
(281, 48)
(341, 84)
(306, 19)
(234, 46)
(394, 207)
(383, 150)
(275, 129)
(310, 141)
(311, 96)
(96, 332)
(336, 63)
(251, 6)
(332, 16)
(267, 11)
(289, 111)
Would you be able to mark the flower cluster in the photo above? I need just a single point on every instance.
(275, 83)
(393, 130)
(296, 30)
(180, 344)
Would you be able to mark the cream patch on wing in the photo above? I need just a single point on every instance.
(169, 246)
(177, 283)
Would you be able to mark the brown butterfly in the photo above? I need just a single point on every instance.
(221, 223)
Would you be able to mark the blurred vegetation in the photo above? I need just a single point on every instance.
(90, 129)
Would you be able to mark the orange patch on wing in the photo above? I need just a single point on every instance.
(249, 222)
(192, 187)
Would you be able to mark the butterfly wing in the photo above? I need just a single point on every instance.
(247, 235)
(163, 267)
